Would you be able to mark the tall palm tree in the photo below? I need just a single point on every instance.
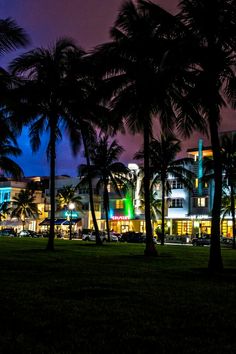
(24, 206)
(209, 51)
(228, 155)
(43, 92)
(86, 111)
(163, 162)
(136, 82)
(107, 170)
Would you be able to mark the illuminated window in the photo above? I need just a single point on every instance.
(176, 203)
(196, 183)
(5, 195)
(200, 202)
(119, 204)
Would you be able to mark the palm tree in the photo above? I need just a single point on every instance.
(106, 168)
(43, 92)
(4, 209)
(11, 36)
(67, 198)
(208, 46)
(24, 206)
(67, 195)
(228, 155)
(7, 165)
(85, 110)
(155, 202)
(134, 80)
(163, 162)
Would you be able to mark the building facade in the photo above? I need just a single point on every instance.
(187, 212)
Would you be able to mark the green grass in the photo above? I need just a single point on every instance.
(88, 299)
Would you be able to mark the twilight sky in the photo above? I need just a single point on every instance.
(88, 22)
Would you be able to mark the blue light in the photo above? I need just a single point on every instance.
(200, 166)
(5, 194)
(111, 213)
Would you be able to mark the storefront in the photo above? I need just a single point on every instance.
(61, 226)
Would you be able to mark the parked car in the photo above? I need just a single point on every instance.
(85, 234)
(8, 232)
(114, 237)
(201, 241)
(91, 236)
(227, 241)
(133, 237)
(28, 233)
(103, 235)
(117, 234)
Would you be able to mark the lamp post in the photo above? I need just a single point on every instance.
(71, 208)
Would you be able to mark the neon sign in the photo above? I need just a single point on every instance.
(120, 217)
(73, 214)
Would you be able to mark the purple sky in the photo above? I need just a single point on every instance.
(88, 22)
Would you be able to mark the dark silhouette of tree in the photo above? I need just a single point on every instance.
(164, 163)
(86, 110)
(12, 37)
(24, 206)
(42, 101)
(208, 51)
(7, 165)
(228, 155)
(140, 88)
(107, 170)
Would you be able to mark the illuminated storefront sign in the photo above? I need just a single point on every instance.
(73, 214)
(120, 218)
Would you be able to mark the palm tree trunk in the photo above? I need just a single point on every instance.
(232, 205)
(163, 211)
(98, 239)
(215, 260)
(150, 249)
(52, 144)
(106, 207)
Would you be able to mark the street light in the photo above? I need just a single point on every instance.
(71, 207)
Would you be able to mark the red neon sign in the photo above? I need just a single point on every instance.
(120, 218)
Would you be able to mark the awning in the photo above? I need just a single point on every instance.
(46, 222)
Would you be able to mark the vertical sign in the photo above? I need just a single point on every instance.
(200, 166)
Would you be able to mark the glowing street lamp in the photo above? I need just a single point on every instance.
(71, 207)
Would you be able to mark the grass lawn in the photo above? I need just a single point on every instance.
(88, 299)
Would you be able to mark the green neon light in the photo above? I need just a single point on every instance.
(200, 166)
(129, 209)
